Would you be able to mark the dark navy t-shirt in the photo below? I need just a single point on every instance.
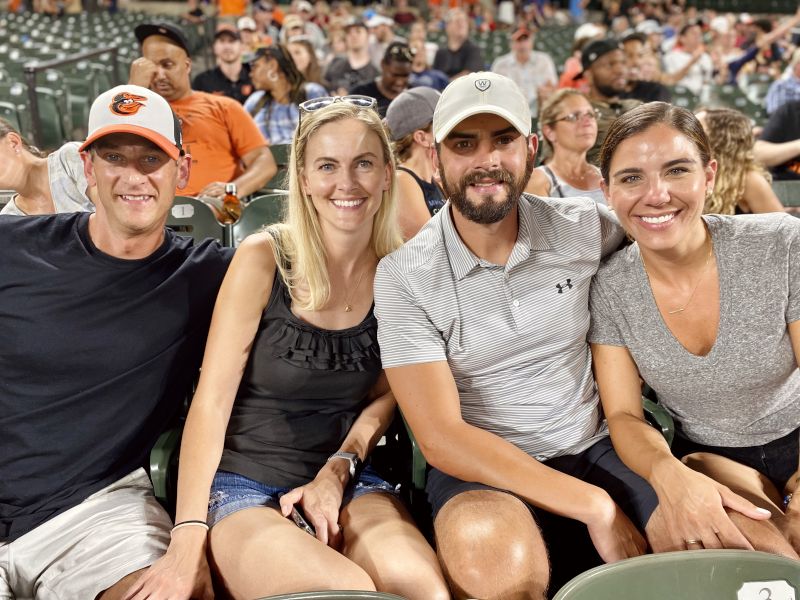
(96, 355)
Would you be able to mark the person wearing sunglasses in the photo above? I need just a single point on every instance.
(292, 397)
(569, 129)
(395, 71)
(280, 88)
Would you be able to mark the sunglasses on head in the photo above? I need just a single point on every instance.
(315, 104)
(402, 53)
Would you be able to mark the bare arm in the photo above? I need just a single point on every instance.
(429, 399)
(322, 498)
(241, 300)
(538, 184)
(758, 195)
(259, 168)
(413, 212)
(673, 77)
(780, 30)
(691, 506)
(771, 154)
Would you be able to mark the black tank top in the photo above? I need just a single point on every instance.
(301, 390)
(430, 191)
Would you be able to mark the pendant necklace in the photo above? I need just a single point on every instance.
(348, 297)
(699, 279)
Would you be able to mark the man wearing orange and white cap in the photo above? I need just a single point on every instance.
(104, 319)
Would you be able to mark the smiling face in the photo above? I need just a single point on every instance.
(484, 164)
(394, 76)
(657, 185)
(345, 174)
(135, 181)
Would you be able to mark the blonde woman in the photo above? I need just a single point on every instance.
(569, 129)
(742, 185)
(293, 371)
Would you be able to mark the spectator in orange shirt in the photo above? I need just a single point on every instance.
(223, 140)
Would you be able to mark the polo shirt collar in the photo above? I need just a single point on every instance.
(462, 261)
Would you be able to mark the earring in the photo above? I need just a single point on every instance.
(273, 76)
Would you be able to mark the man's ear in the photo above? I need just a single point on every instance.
(88, 168)
(533, 145)
(184, 170)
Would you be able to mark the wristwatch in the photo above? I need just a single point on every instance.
(351, 457)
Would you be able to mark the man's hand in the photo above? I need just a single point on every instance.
(321, 500)
(180, 574)
(143, 70)
(613, 535)
(215, 189)
(692, 507)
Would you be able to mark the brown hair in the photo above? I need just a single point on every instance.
(730, 135)
(6, 128)
(314, 70)
(642, 118)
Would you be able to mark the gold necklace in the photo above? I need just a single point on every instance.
(699, 279)
(347, 306)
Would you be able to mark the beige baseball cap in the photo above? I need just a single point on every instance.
(137, 110)
(480, 93)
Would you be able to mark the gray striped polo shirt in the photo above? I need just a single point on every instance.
(513, 335)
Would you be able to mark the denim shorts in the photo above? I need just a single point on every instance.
(231, 492)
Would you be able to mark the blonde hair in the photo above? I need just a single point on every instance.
(730, 136)
(299, 250)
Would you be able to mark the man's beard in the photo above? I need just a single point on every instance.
(489, 211)
(609, 92)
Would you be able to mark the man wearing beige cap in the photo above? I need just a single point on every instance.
(104, 319)
(482, 321)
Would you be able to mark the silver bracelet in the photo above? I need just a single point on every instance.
(191, 523)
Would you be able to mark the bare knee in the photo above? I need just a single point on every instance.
(763, 535)
(490, 547)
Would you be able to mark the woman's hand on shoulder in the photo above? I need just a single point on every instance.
(321, 500)
(692, 506)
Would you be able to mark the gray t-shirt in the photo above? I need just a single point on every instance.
(68, 184)
(746, 390)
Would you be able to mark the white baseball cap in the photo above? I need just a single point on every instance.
(480, 93)
(137, 110)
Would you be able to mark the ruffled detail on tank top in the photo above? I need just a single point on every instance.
(353, 349)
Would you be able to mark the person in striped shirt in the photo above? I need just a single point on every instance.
(482, 321)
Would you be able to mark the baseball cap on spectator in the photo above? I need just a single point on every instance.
(411, 110)
(481, 93)
(720, 24)
(227, 29)
(246, 24)
(168, 30)
(521, 33)
(587, 31)
(293, 21)
(745, 18)
(595, 50)
(264, 6)
(354, 22)
(137, 110)
(376, 20)
(648, 27)
(636, 35)
(305, 6)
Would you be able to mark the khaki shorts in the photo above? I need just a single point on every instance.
(87, 549)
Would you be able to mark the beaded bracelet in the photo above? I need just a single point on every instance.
(786, 499)
(190, 523)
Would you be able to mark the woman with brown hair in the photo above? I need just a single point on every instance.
(280, 87)
(742, 185)
(706, 310)
(305, 58)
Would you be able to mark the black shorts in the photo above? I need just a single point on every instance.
(776, 460)
(598, 465)
(569, 546)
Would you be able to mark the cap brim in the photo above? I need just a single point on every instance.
(159, 140)
(480, 109)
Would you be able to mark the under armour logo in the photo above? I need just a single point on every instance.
(483, 84)
(566, 286)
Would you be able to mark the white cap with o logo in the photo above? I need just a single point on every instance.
(480, 93)
(137, 110)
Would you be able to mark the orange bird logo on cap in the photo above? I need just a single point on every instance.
(127, 104)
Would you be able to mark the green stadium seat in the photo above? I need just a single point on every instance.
(8, 111)
(712, 574)
(787, 191)
(194, 218)
(259, 212)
